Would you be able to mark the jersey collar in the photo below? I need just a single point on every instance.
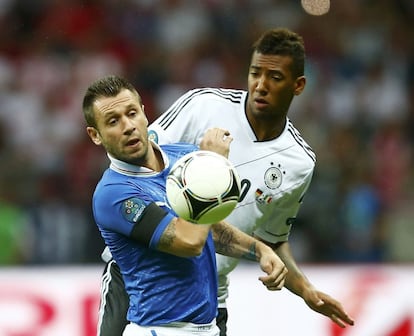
(125, 168)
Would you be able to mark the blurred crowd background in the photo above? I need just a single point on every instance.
(356, 112)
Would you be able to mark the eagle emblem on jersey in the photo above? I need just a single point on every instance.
(273, 177)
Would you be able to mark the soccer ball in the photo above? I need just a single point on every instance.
(203, 187)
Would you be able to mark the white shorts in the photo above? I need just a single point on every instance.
(173, 329)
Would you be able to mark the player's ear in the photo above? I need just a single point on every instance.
(94, 135)
(299, 85)
(143, 110)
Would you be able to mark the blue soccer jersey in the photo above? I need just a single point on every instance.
(162, 288)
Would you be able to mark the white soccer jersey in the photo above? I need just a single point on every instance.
(275, 174)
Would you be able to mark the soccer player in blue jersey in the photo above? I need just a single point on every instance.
(168, 265)
(273, 160)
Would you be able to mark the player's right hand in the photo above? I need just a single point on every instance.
(217, 140)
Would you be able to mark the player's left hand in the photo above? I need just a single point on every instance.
(328, 306)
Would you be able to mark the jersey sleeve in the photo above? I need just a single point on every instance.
(132, 215)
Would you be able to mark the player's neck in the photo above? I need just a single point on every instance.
(267, 130)
(155, 160)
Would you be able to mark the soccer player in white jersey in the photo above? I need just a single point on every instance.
(273, 160)
(168, 264)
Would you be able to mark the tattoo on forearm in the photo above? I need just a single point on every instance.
(226, 243)
(168, 236)
(251, 254)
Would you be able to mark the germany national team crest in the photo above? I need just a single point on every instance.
(273, 177)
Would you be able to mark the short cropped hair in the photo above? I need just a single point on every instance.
(109, 86)
(282, 41)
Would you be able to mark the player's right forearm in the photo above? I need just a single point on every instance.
(183, 238)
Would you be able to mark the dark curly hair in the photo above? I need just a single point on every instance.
(282, 41)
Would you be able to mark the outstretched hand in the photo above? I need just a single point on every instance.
(328, 306)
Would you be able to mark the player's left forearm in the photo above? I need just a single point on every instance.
(295, 281)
